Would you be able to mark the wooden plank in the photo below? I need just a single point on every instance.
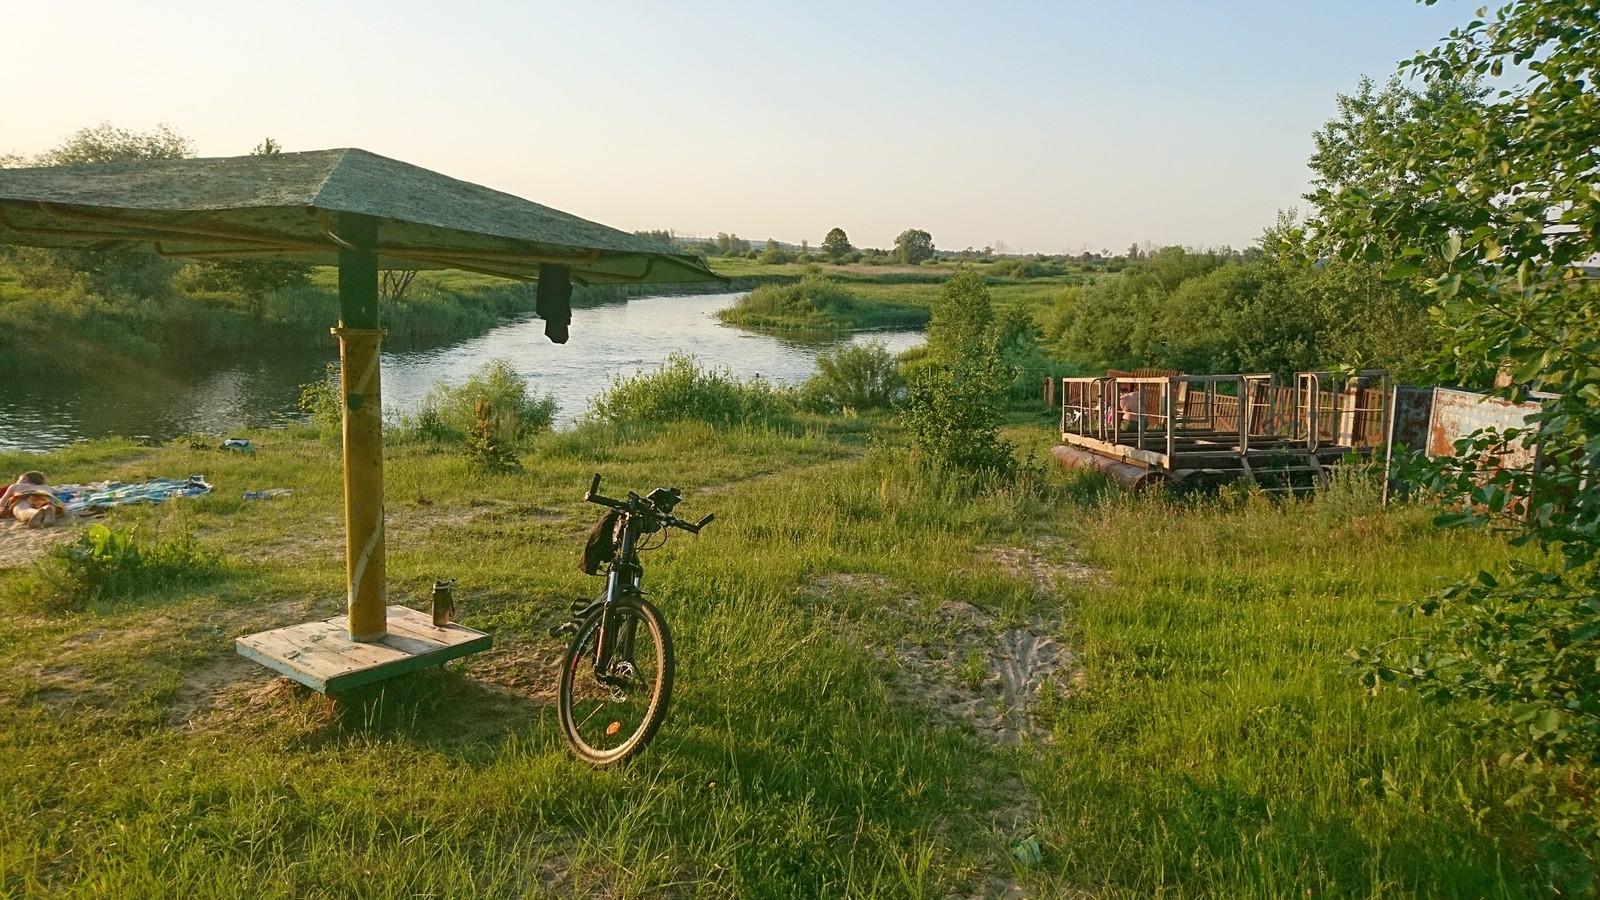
(1148, 458)
(320, 651)
(321, 655)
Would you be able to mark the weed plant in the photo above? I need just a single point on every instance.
(110, 564)
(322, 406)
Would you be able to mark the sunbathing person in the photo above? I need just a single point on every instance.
(30, 502)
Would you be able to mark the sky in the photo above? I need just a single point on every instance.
(1029, 127)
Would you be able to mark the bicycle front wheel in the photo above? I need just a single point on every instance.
(607, 716)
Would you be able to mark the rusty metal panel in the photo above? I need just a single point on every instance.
(1457, 414)
(1413, 406)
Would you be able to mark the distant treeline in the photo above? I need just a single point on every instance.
(1274, 308)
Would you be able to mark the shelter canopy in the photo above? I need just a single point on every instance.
(289, 206)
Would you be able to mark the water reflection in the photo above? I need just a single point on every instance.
(252, 390)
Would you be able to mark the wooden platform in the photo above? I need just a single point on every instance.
(321, 656)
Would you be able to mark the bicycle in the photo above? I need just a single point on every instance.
(616, 676)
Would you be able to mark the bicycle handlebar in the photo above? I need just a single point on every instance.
(637, 505)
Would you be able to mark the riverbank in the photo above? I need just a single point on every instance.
(261, 388)
(889, 684)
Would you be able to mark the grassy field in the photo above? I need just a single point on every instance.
(887, 683)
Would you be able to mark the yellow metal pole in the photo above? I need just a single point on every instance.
(363, 482)
(359, 342)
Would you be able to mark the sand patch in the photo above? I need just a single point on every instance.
(965, 667)
(22, 546)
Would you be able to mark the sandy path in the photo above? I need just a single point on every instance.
(21, 546)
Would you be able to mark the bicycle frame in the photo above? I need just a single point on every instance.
(622, 582)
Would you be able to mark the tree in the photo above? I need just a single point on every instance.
(107, 143)
(1489, 204)
(774, 254)
(662, 238)
(136, 272)
(951, 406)
(961, 316)
(836, 245)
(913, 246)
(731, 244)
(255, 278)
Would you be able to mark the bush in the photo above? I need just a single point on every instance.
(320, 403)
(951, 415)
(815, 303)
(450, 414)
(110, 564)
(680, 390)
(853, 377)
(1026, 268)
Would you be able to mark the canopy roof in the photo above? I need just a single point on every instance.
(288, 206)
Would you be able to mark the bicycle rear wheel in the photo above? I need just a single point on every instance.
(609, 716)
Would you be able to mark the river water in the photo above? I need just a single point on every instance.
(261, 389)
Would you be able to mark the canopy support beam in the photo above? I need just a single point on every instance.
(360, 340)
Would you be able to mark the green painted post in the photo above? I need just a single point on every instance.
(359, 342)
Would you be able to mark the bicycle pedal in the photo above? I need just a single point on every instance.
(563, 628)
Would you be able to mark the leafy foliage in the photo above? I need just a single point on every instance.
(681, 390)
(951, 408)
(836, 245)
(953, 419)
(913, 246)
(136, 272)
(110, 564)
(959, 322)
(854, 377)
(484, 449)
(458, 413)
(1488, 203)
(816, 303)
(105, 143)
(1277, 308)
(321, 403)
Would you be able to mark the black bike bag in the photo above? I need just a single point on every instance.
(602, 544)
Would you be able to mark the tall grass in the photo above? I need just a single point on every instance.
(1216, 748)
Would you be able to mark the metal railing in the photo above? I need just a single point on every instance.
(1155, 412)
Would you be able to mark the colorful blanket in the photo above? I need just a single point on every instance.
(85, 498)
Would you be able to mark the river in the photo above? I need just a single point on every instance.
(261, 389)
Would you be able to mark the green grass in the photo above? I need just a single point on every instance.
(1209, 747)
(1216, 743)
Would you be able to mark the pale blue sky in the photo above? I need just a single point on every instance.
(1042, 127)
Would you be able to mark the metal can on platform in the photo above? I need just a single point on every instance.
(444, 603)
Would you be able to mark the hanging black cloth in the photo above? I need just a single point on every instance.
(553, 302)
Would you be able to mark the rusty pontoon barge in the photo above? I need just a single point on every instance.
(1145, 430)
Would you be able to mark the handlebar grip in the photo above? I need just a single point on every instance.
(704, 522)
(594, 488)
